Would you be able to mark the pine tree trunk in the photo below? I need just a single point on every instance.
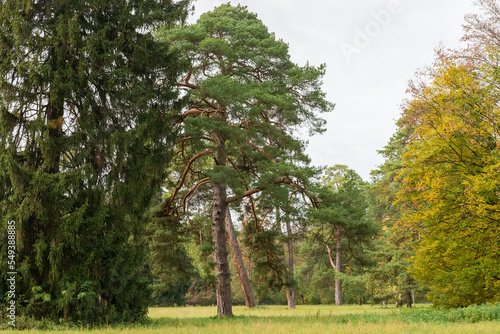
(290, 291)
(287, 248)
(291, 297)
(338, 266)
(222, 273)
(250, 299)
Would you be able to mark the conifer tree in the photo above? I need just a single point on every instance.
(247, 100)
(85, 114)
(340, 218)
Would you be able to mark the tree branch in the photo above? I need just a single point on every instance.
(261, 151)
(254, 190)
(330, 257)
(183, 177)
(187, 85)
(193, 190)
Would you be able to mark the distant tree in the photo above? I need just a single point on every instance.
(340, 218)
(247, 100)
(86, 114)
(390, 279)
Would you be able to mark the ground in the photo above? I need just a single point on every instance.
(311, 319)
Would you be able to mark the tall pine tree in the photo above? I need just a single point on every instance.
(247, 101)
(84, 105)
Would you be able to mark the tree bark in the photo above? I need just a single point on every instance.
(55, 114)
(409, 299)
(287, 247)
(290, 291)
(338, 267)
(222, 273)
(250, 299)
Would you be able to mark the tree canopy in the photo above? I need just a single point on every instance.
(247, 99)
(85, 108)
(450, 183)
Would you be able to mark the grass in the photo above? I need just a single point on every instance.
(268, 311)
(310, 319)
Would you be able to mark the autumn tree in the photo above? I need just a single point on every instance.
(445, 184)
(247, 100)
(86, 114)
(450, 183)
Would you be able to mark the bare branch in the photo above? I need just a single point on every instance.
(330, 257)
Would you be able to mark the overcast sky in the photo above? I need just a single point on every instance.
(371, 48)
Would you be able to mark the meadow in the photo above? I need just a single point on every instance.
(308, 319)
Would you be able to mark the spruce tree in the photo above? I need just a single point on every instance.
(85, 114)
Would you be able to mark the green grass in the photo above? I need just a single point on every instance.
(269, 311)
(310, 319)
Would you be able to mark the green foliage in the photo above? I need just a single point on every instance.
(392, 249)
(338, 223)
(268, 272)
(342, 205)
(247, 100)
(84, 100)
(315, 275)
(171, 266)
(450, 187)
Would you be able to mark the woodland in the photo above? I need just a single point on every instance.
(145, 161)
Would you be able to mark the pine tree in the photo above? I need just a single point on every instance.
(340, 220)
(247, 99)
(85, 114)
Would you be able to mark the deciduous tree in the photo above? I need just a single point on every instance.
(450, 185)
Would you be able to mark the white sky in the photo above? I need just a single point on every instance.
(368, 87)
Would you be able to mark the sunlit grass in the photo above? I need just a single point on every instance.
(305, 319)
(267, 325)
(272, 311)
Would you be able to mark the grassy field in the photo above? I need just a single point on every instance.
(311, 319)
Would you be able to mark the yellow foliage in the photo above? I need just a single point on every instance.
(451, 188)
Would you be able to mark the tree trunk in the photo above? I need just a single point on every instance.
(409, 300)
(338, 267)
(222, 274)
(287, 246)
(290, 291)
(291, 297)
(55, 114)
(250, 299)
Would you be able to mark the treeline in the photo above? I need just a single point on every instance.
(144, 161)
